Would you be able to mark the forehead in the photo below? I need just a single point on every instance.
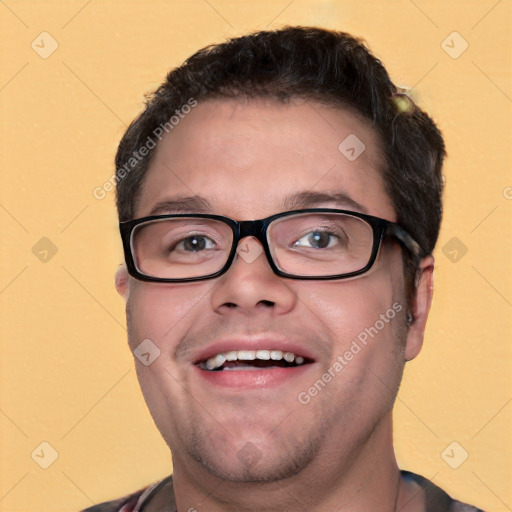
(250, 159)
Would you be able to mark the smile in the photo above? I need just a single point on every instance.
(251, 360)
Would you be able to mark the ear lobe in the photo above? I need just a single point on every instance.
(122, 282)
(420, 307)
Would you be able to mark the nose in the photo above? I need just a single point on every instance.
(250, 285)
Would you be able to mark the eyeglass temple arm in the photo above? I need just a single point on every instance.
(405, 239)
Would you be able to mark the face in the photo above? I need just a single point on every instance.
(265, 421)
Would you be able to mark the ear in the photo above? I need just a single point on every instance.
(122, 280)
(420, 307)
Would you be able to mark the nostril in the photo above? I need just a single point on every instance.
(267, 303)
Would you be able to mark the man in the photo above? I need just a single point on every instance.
(279, 201)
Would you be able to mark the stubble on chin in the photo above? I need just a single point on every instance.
(271, 462)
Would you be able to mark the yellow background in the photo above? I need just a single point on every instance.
(67, 376)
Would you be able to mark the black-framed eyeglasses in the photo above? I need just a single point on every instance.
(314, 243)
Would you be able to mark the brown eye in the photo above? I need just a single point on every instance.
(316, 239)
(195, 243)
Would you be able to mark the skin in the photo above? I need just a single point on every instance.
(336, 452)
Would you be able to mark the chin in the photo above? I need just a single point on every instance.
(254, 462)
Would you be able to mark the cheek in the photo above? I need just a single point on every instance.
(363, 316)
(347, 308)
(163, 313)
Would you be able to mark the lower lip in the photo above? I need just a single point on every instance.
(252, 379)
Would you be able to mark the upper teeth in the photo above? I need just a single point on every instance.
(250, 355)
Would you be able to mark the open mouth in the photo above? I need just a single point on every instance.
(252, 360)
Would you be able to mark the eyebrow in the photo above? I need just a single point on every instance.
(297, 201)
(310, 199)
(192, 204)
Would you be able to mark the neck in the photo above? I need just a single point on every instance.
(361, 479)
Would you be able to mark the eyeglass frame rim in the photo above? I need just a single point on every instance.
(258, 229)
